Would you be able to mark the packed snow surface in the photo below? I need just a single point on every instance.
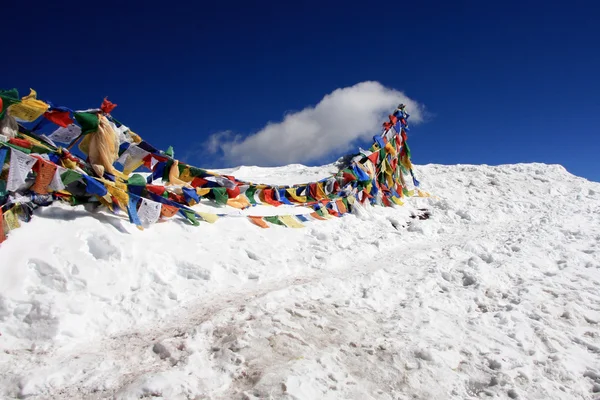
(496, 295)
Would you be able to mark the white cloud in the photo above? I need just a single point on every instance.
(332, 126)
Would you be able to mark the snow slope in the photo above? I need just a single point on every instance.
(496, 295)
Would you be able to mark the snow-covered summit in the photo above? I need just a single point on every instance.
(495, 295)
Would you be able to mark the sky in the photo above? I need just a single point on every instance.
(307, 82)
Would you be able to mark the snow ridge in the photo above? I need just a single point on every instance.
(495, 295)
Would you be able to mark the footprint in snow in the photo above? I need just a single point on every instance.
(192, 271)
(49, 276)
(101, 248)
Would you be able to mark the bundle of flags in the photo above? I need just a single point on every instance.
(40, 167)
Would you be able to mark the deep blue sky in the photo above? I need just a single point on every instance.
(513, 81)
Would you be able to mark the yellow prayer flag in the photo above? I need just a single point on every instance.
(29, 109)
(290, 221)
(397, 201)
(186, 176)
(69, 164)
(389, 148)
(320, 195)
(136, 138)
(132, 167)
(406, 162)
(202, 191)
(11, 220)
(292, 193)
(210, 218)
(390, 181)
(239, 202)
(106, 201)
(121, 196)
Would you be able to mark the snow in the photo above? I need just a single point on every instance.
(495, 295)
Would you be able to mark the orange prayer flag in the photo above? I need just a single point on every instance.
(168, 211)
(258, 221)
(341, 206)
(45, 173)
(317, 216)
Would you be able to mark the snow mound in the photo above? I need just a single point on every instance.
(495, 295)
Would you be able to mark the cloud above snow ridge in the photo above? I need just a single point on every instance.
(341, 118)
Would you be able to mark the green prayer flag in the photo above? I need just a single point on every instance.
(87, 121)
(14, 146)
(39, 149)
(9, 97)
(190, 216)
(195, 172)
(350, 172)
(250, 194)
(220, 194)
(274, 220)
(3, 191)
(170, 152)
(345, 201)
(69, 176)
(165, 177)
(407, 149)
(136, 180)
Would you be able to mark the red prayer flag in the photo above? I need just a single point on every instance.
(336, 186)
(178, 198)
(107, 106)
(60, 118)
(333, 212)
(21, 143)
(198, 182)
(374, 157)
(348, 177)
(233, 193)
(268, 196)
(385, 200)
(156, 189)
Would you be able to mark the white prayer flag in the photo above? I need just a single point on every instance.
(149, 211)
(20, 165)
(65, 135)
(57, 183)
(130, 157)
